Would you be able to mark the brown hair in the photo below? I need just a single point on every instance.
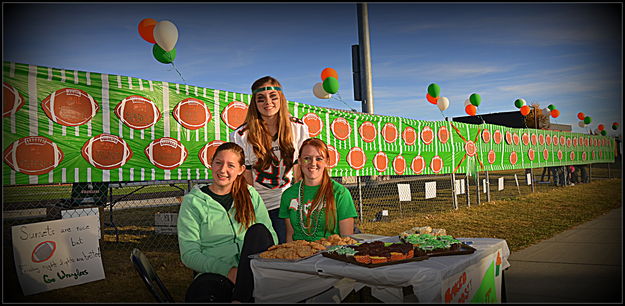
(242, 198)
(326, 190)
(258, 135)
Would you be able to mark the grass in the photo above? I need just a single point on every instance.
(521, 220)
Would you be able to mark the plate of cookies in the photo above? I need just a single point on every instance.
(298, 250)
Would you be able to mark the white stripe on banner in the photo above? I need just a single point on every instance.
(88, 78)
(121, 174)
(49, 74)
(88, 174)
(166, 108)
(142, 134)
(132, 174)
(106, 175)
(140, 84)
(196, 90)
(167, 175)
(205, 174)
(64, 130)
(106, 116)
(132, 133)
(119, 81)
(76, 175)
(63, 75)
(142, 174)
(50, 127)
(151, 86)
(216, 113)
(197, 173)
(205, 93)
(153, 174)
(188, 174)
(177, 88)
(77, 131)
(179, 173)
(89, 127)
(129, 83)
(121, 129)
(75, 77)
(63, 175)
(32, 100)
(187, 89)
(12, 177)
(51, 176)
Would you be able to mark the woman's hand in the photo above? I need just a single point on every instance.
(232, 275)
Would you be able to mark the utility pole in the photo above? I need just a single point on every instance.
(364, 73)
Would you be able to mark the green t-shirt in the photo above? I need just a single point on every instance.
(289, 208)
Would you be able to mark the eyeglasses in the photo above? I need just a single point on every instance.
(309, 159)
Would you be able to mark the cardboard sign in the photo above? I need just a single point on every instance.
(479, 283)
(57, 254)
(166, 223)
(404, 192)
(430, 190)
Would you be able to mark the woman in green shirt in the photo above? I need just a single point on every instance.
(219, 226)
(317, 206)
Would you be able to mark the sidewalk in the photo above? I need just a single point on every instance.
(583, 264)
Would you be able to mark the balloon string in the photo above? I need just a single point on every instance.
(185, 82)
(341, 99)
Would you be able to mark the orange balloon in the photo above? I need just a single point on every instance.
(470, 109)
(146, 29)
(555, 113)
(525, 110)
(329, 72)
(431, 99)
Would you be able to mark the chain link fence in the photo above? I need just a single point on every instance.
(143, 214)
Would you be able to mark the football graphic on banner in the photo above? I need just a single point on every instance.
(380, 161)
(409, 135)
(137, 112)
(545, 154)
(399, 164)
(70, 107)
(486, 135)
(367, 131)
(436, 164)
(341, 128)
(192, 113)
(513, 158)
(356, 158)
(33, 155)
(207, 152)
(491, 157)
(443, 134)
(106, 151)
(12, 100)
(427, 135)
(234, 114)
(525, 138)
(334, 156)
(166, 153)
(389, 132)
(314, 124)
(516, 139)
(418, 164)
(497, 137)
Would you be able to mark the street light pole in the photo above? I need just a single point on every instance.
(365, 58)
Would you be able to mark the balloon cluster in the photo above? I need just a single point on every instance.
(329, 84)
(164, 35)
(601, 129)
(615, 126)
(584, 120)
(434, 96)
(471, 104)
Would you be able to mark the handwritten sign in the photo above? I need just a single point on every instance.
(57, 254)
(479, 283)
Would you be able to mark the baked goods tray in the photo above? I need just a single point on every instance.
(257, 257)
(351, 260)
(464, 249)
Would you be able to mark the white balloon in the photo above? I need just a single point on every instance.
(467, 102)
(320, 93)
(166, 35)
(546, 111)
(442, 103)
(581, 124)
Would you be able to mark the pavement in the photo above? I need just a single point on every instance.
(581, 265)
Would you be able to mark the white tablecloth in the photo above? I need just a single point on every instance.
(296, 281)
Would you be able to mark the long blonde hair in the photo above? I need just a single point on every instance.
(245, 214)
(326, 190)
(258, 135)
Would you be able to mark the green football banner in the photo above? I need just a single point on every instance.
(66, 126)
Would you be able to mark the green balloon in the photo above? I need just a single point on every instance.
(162, 55)
(604, 133)
(587, 120)
(519, 103)
(614, 126)
(475, 99)
(434, 90)
(331, 85)
(551, 107)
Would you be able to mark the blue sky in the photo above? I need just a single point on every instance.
(566, 54)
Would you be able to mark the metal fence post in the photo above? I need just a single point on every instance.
(487, 187)
(359, 196)
(467, 185)
(477, 185)
(532, 178)
(453, 191)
